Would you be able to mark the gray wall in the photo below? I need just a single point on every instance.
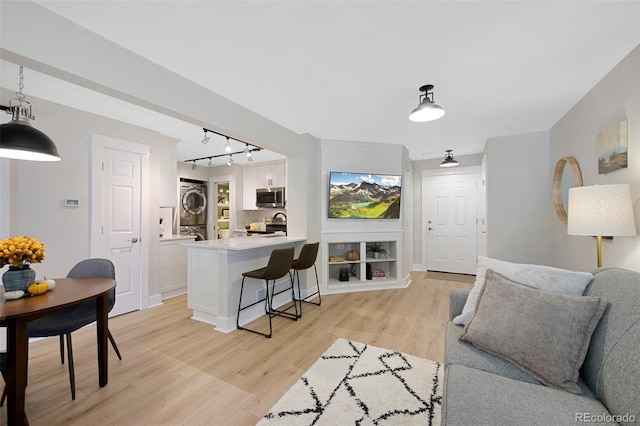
(615, 98)
(519, 198)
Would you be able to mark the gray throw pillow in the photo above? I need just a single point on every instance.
(545, 335)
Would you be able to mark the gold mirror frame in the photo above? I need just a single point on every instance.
(558, 202)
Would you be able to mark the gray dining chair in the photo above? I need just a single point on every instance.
(63, 322)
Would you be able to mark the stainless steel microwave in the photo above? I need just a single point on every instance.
(270, 197)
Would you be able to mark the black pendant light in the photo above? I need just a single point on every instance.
(20, 141)
(448, 159)
(427, 110)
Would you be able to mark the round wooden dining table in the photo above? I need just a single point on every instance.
(15, 314)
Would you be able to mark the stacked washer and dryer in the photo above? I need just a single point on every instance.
(193, 208)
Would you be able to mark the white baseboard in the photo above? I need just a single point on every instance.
(155, 300)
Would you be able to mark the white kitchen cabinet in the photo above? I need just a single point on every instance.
(261, 176)
(271, 175)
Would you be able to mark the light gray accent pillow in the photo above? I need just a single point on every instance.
(545, 335)
(547, 278)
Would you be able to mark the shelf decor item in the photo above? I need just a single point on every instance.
(352, 255)
(376, 249)
(19, 253)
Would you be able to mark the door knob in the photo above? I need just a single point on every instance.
(429, 228)
(133, 240)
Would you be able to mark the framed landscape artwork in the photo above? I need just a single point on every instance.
(612, 148)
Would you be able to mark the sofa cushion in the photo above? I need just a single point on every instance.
(459, 352)
(612, 365)
(547, 278)
(545, 335)
(475, 397)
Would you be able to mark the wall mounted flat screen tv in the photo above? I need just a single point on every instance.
(364, 196)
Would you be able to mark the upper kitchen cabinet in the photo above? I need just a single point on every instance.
(271, 175)
(261, 176)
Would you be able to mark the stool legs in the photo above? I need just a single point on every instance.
(283, 312)
(305, 300)
(268, 307)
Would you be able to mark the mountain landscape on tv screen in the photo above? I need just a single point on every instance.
(364, 200)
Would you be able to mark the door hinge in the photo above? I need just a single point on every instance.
(103, 166)
(102, 230)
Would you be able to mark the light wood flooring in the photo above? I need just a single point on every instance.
(177, 371)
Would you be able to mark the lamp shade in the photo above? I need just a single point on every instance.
(601, 210)
(22, 142)
(426, 111)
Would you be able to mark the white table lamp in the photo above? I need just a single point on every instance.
(601, 210)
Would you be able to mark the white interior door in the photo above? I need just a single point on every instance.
(451, 223)
(118, 217)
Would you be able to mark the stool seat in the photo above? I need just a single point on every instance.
(279, 265)
(256, 273)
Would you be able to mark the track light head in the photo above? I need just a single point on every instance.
(205, 140)
(227, 146)
(230, 162)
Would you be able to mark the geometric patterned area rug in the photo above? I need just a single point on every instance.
(357, 384)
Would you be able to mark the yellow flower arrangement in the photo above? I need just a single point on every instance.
(21, 251)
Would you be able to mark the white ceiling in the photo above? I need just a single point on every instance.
(350, 70)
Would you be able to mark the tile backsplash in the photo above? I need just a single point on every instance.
(245, 217)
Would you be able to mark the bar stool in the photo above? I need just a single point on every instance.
(306, 260)
(279, 265)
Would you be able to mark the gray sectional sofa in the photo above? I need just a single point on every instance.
(483, 389)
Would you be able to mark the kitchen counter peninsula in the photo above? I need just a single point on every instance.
(215, 270)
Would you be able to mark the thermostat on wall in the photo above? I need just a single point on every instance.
(71, 203)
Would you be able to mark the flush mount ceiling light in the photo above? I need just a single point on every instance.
(448, 159)
(427, 110)
(20, 141)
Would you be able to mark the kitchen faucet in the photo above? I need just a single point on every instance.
(279, 213)
(285, 221)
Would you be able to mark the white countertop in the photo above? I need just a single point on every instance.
(178, 237)
(243, 243)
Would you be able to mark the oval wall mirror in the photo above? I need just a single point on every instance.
(563, 179)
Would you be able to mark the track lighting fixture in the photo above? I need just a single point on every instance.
(194, 165)
(206, 138)
(20, 141)
(249, 149)
(427, 110)
(448, 159)
(230, 162)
